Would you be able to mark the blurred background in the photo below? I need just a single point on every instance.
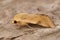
(9, 8)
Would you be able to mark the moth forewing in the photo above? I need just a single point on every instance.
(46, 21)
(49, 21)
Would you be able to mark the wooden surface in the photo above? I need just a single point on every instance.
(8, 8)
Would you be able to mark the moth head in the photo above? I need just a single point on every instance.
(19, 23)
(15, 22)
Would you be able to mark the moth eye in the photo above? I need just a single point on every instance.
(15, 21)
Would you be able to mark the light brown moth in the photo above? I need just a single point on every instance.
(23, 19)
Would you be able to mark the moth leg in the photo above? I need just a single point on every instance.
(31, 28)
(28, 26)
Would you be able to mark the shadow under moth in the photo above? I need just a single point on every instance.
(23, 19)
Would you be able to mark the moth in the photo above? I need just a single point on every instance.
(23, 19)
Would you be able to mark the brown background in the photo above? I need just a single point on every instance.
(8, 8)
